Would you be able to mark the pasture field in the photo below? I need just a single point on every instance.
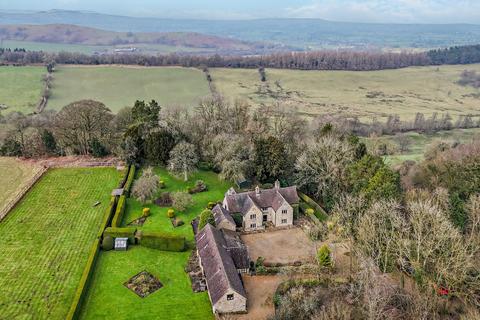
(21, 88)
(14, 175)
(365, 94)
(46, 240)
(108, 297)
(91, 49)
(419, 143)
(120, 86)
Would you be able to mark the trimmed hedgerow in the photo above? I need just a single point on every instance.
(129, 183)
(161, 241)
(119, 211)
(128, 232)
(109, 212)
(319, 212)
(84, 280)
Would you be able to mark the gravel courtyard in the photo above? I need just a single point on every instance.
(280, 246)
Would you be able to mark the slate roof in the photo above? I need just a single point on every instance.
(237, 249)
(220, 214)
(218, 266)
(275, 197)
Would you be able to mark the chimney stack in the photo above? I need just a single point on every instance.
(277, 184)
(257, 190)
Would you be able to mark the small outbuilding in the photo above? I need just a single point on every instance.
(121, 244)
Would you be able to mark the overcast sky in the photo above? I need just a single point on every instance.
(400, 11)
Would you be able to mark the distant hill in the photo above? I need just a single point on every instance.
(79, 35)
(303, 33)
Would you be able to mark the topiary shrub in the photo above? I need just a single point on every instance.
(324, 257)
(146, 212)
(309, 212)
(211, 205)
(107, 243)
(171, 213)
(206, 217)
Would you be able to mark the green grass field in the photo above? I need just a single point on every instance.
(21, 88)
(90, 49)
(419, 143)
(363, 94)
(14, 174)
(158, 221)
(109, 298)
(119, 87)
(46, 240)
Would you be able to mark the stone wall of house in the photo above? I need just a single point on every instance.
(279, 216)
(248, 220)
(237, 304)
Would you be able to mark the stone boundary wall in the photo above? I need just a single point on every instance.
(13, 202)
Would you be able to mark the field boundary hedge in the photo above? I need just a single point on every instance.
(13, 202)
(84, 281)
(128, 232)
(162, 241)
(129, 181)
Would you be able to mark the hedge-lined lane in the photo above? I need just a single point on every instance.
(46, 241)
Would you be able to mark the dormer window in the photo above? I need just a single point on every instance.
(284, 211)
(230, 296)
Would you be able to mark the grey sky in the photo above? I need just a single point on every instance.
(400, 11)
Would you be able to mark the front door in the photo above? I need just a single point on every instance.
(265, 218)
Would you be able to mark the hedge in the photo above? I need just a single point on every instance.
(121, 233)
(128, 184)
(124, 178)
(119, 211)
(161, 241)
(108, 215)
(319, 212)
(84, 281)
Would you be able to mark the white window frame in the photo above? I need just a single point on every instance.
(253, 225)
(253, 216)
(284, 211)
(284, 221)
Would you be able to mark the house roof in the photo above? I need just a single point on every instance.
(221, 214)
(237, 249)
(220, 271)
(265, 198)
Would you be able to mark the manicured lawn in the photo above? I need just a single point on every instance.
(158, 221)
(14, 174)
(21, 88)
(121, 86)
(108, 298)
(46, 240)
(352, 93)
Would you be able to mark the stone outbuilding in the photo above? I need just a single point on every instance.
(225, 288)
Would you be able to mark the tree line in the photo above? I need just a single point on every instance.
(314, 60)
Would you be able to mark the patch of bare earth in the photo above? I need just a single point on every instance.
(260, 291)
(280, 246)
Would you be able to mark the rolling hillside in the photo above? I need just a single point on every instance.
(78, 35)
(302, 33)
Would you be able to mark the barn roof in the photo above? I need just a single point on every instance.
(221, 214)
(220, 271)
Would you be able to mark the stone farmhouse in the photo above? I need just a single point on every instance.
(260, 207)
(225, 288)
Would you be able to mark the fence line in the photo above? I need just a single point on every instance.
(13, 202)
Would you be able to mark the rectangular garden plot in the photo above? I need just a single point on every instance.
(46, 240)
